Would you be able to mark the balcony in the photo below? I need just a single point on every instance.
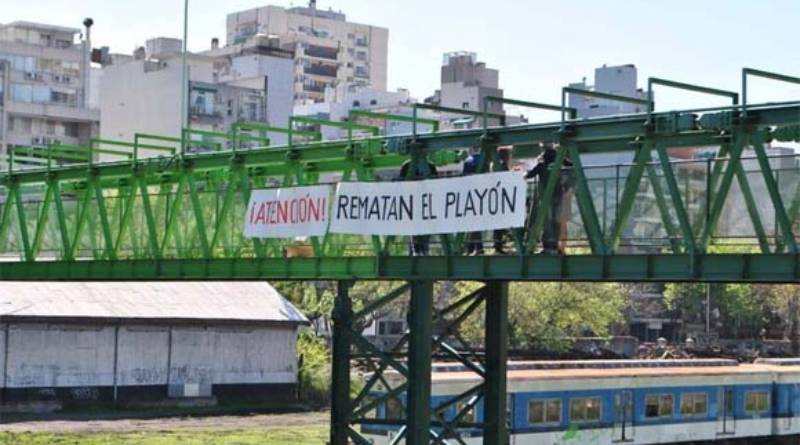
(322, 52)
(321, 70)
(54, 110)
(314, 88)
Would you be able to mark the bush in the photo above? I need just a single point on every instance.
(314, 377)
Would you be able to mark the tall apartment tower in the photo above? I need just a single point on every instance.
(328, 50)
(44, 86)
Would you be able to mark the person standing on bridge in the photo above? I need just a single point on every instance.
(557, 214)
(502, 164)
(411, 170)
(474, 244)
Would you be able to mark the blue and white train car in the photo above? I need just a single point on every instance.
(627, 401)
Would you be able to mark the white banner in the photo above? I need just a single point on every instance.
(463, 204)
(289, 212)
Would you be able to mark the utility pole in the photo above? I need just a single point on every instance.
(184, 84)
(86, 62)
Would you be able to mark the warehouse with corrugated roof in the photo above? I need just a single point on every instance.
(71, 342)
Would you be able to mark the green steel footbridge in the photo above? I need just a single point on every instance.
(646, 207)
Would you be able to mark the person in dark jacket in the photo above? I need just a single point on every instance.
(474, 242)
(555, 216)
(503, 164)
(420, 244)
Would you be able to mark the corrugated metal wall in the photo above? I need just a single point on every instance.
(50, 355)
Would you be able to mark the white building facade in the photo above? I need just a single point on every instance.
(224, 87)
(44, 87)
(620, 80)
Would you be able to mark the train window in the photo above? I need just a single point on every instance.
(586, 409)
(694, 404)
(544, 412)
(469, 416)
(756, 401)
(394, 409)
(658, 405)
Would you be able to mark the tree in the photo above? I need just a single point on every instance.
(548, 315)
(742, 312)
(784, 303)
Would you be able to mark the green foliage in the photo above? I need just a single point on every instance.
(313, 299)
(547, 315)
(740, 311)
(314, 375)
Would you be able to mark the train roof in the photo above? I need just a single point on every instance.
(588, 369)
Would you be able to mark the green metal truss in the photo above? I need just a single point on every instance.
(404, 369)
(69, 210)
(171, 207)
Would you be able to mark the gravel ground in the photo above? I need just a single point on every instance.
(216, 423)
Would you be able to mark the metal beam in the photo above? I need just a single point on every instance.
(748, 268)
(420, 325)
(495, 431)
(340, 373)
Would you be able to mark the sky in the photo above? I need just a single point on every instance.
(538, 46)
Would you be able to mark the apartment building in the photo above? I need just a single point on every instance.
(464, 84)
(220, 92)
(44, 86)
(328, 50)
(259, 62)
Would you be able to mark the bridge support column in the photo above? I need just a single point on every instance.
(495, 429)
(418, 403)
(340, 373)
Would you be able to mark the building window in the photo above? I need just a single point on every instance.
(586, 409)
(20, 63)
(42, 94)
(361, 55)
(543, 412)
(62, 97)
(21, 93)
(658, 406)
(71, 129)
(22, 125)
(314, 86)
(361, 71)
(694, 404)
(322, 52)
(202, 102)
(756, 401)
(394, 409)
(362, 41)
(391, 327)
